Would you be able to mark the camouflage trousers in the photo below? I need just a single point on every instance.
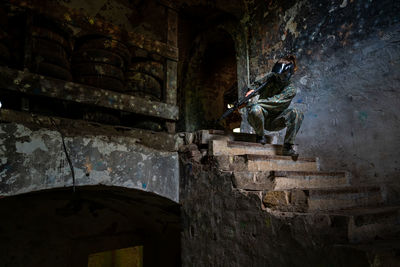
(261, 119)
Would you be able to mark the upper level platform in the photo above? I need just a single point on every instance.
(33, 157)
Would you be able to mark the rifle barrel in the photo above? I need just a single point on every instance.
(242, 101)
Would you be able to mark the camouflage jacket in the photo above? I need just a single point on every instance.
(276, 95)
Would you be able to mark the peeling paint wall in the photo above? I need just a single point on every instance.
(33, 160)
(348, 79)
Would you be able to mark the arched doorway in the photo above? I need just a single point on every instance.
(59, 228)
(219, 85)
(208, 76)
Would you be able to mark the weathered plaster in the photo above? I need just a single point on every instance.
(33, 160)
(347, 81)
(291, 25)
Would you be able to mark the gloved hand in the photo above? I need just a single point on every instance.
(249, 92)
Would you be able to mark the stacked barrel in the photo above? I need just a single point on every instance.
(96, 60)
(51, 49)
(100, 61)
(145, 76)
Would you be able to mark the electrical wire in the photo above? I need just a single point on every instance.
(66, 154)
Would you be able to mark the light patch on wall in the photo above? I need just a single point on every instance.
(304, 80)
(126, 257)
(30, 147)
(105, 147)
(291, 26)
(22, 131)
(290, 14)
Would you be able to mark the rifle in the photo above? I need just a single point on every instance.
(242, 101)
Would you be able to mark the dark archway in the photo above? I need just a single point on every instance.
(219, 85)
(59, 228)
(208, 73)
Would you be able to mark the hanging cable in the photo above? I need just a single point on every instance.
(66, 154)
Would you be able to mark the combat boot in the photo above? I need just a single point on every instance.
(261, 139)
(288, 150)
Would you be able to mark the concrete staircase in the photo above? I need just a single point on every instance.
(293, 189)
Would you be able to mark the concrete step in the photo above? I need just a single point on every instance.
(352, 226)
(203, 137)
(303, 179)
(256, 181)
(285, 180)
(232, 148)
(255, 163)
(280, 163)
(306, 200)
(365, 224)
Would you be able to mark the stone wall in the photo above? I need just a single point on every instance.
(227, 226)
(348, 87)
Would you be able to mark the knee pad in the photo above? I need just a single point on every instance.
(256, 110)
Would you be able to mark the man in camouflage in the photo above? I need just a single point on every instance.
(271, 112)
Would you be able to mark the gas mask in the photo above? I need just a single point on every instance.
(284, 70)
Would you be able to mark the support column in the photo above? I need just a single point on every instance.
(172, 65)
